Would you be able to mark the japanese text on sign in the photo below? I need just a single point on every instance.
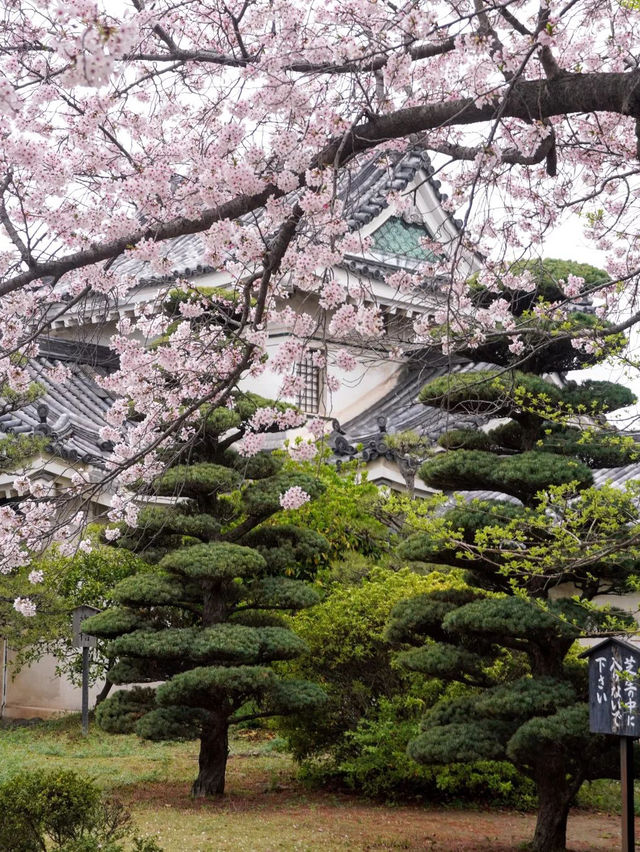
(614, 669)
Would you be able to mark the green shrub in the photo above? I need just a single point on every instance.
(58, 805)
(494, 782)
(349, 656)
(373, 761)
(60, 810)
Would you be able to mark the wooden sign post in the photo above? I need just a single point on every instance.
(84, 641)
(614, 667)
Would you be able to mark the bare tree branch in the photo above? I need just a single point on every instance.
(511, 156)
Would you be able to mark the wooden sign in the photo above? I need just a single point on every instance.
(613, 709)
(614, 693)
(80, 639)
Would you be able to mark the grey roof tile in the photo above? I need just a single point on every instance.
(403, 412)
(378, 270)
(617, 476)
(76, 407)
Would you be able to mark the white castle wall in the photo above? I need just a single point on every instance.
(36, 691)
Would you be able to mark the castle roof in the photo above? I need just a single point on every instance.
(364, 187)
(68, 414)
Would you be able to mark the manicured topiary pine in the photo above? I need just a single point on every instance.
(510, 637)
(207, 623)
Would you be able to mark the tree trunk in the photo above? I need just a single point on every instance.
(214, 749)
(214, 608)
(554, 800)
(106, 689)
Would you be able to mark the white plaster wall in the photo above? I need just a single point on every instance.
(359, 389)
(37, 691)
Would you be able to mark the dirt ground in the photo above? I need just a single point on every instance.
(286, 820)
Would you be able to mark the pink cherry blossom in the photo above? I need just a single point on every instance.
(25, 607)
(294, 498)
(128, 130)
(251, 444)
(302, 450)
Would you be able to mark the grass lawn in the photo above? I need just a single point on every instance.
(266, 808)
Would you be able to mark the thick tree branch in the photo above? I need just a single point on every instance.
(209, 57)
(548, 62)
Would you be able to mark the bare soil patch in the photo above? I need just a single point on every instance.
(268, 812)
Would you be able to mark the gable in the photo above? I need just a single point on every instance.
(402, 239)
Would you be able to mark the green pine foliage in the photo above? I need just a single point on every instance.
(547, 274)
(15, 449)
(548, 345)
(546, 337)
(496, 392)
(534, 560)
(207, 621)
(596, 451)
(465, 439)
(523, 476)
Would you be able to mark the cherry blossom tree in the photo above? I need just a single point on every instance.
(124, 126)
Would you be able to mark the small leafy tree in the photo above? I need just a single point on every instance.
(349, 657)
(60, 810)
(359, 737)
(65, 582)
(208, 623)
(347, 512)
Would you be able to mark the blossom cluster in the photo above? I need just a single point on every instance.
(301, 450)
(294, 498)
(25, 607)
(127, 138)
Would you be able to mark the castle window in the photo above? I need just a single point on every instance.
(309, 396)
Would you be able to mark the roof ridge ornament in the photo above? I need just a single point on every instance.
(43, 427)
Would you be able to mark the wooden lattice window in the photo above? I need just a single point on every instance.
(309, 396)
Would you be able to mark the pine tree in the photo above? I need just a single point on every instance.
(510, 636)
(207, 623)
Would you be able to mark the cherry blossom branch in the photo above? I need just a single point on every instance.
(372, 62)
(510, 156)
(8, 225)
(510, 18)
(528, 100)
(485, 30)
(222, 389)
